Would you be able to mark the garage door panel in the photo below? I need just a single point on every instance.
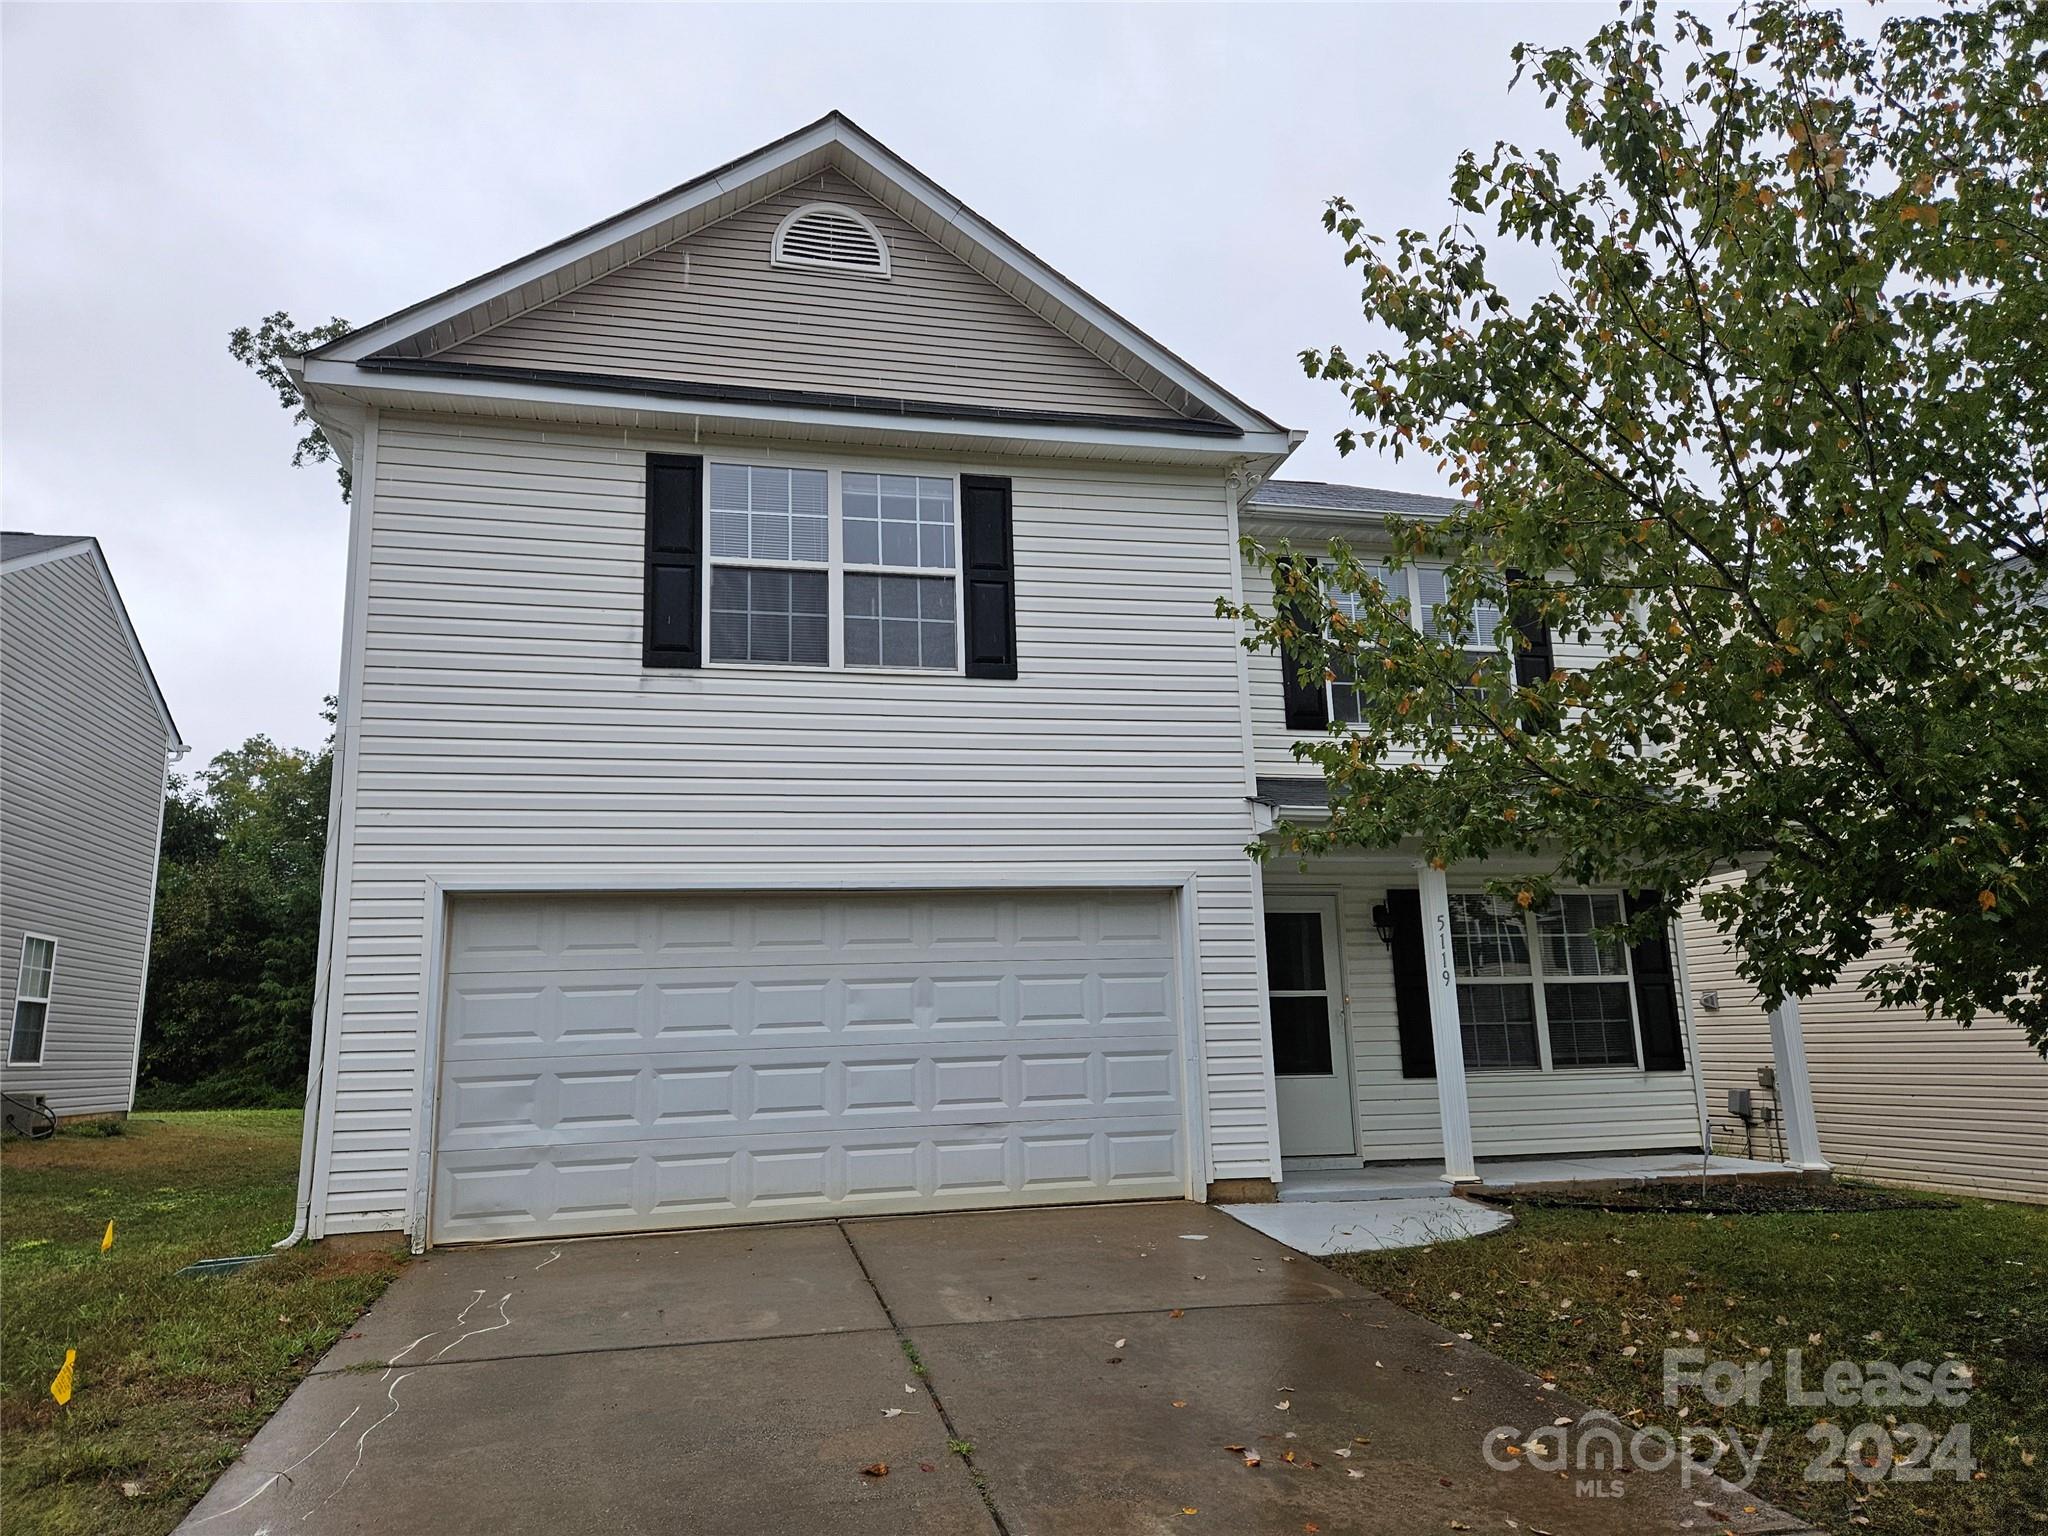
(492, 1015)
(542, 1099)
(613, 1064)
(574, 1190)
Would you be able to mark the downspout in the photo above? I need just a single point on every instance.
(330, 877)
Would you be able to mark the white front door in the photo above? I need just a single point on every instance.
(1311, 1067)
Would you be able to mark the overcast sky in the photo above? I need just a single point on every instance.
(170, 172)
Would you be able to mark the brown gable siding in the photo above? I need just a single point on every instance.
(712, 309)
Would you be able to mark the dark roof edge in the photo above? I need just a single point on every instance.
(742, 394)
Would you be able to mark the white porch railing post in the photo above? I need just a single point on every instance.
(1795, 1088)
(1452, 1107)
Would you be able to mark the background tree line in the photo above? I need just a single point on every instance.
(237, 929)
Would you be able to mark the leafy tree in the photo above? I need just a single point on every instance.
(1774, 440)
(262, 348)
(237, 929)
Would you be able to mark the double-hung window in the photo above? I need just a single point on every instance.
(1586, 991)
(1420, 589)
(32, 1001)
(771, 558)
(818, 568)
(1552, 991)
(900, 559)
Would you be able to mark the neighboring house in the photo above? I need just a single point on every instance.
(1897, 1096)
(85, 744)
(789, 762)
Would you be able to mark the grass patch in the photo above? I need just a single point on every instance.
(1592, 1298)
(174, 1373)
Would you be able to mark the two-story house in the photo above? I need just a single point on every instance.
(790, 763)
(86, 748)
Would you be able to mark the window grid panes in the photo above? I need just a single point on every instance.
(31, 1001)
(899, 621)
(1591, 1022)
(1345, 704)
(779, 579)
(775, 616)
(904, 521)
(1496, 1001)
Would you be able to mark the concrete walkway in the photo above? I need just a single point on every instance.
(1101, 1362)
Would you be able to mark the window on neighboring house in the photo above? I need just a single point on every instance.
(879, 590)
(32, 1001)
(1558, 996)
(1421, 589)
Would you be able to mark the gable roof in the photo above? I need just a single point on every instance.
(407, 342)
(26, 551)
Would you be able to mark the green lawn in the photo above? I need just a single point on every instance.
(174, 1373)
(1595, 1297)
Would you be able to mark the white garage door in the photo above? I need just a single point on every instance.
(612, 1064)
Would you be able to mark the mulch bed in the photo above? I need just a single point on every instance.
(1730, 1199)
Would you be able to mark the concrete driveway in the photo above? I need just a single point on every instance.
(1100, 1362)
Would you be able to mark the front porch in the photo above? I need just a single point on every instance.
(1502, 1175)
(1426, 1038)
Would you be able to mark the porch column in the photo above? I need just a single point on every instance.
(1452, 1108)
(1795, 1089)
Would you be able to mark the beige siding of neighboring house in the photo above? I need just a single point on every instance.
(1898, 1097)
(712, 309)
(506, 727)
(1514, 1114)
(81, 799)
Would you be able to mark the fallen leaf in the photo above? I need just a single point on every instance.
(1116, 1359)
(1119, 1344)
(891, 1413)
(1251, 1458)
(925, 1466)
(878, 1469)
(130, 1489)
(1178, 1312)
(1360, 1440)
(1288, 1454)
(1189, 1509)
(908, 1387)
(1353, 1472)
(1343, 1450)
(1282, 1404)
(1238, 1449)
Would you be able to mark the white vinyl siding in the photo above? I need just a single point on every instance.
(1514, 1113)
(81, 797)
(1897, 1096)
(714, 308)
(507, 729)
(1271, 740)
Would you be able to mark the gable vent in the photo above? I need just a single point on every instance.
(827, 235)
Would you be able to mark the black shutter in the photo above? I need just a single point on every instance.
(1307, 703)
(1657, 994)
(1535, 660)
(1411, 985)
(671, 635)
(991, 597)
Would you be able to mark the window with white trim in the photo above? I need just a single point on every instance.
(1421, 589)
(839, 568)
(770, 565)
(32, 1001)
(1544, 991)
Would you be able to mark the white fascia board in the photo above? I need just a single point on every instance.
(668, 412)
(45, 556)
(409, 322)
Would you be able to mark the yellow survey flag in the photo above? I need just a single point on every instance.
(60, 1389)
(107, 1241)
